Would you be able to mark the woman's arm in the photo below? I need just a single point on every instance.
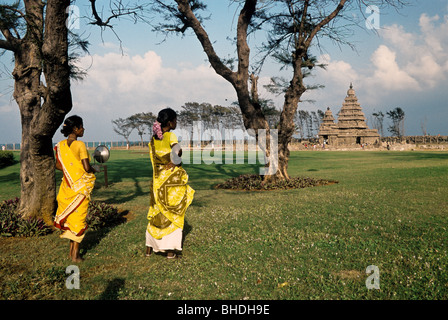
(87, 167)
(84, 156)
(58, 165)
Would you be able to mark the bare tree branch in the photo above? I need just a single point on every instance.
(7, 45)
(9, 16)
(192, 21)
(117, 9)
(324, 22)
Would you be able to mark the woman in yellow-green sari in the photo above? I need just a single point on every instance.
(76, 187)
(170, 195)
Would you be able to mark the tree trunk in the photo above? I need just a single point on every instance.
(38, 189)
(36, 155)
(286, 125)
(42, 107)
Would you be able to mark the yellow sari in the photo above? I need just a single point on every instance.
(74, 193)
(170, 196)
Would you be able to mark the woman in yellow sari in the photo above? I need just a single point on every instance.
(77, 184)
(170, 195)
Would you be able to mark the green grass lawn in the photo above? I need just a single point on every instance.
(389, 209)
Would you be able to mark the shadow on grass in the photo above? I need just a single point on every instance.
(94, 237)
(137, 173)
(112, 290)
(124, 195)
(11, 177)
(205, 177)
(412, 156)
(134, 171)
(187, 229)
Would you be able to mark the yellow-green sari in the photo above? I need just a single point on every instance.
(170, 195)
(74, 193)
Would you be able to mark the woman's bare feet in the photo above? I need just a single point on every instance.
(171, 255)
(74, 252)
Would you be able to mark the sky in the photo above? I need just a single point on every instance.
(402, 63)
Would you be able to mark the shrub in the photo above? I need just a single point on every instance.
(99, 215)
(6, 158)
(255, 182)
(102, 215)
(12, 224)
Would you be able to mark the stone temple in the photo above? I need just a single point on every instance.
(351, 127)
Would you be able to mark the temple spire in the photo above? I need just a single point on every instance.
(351, 127)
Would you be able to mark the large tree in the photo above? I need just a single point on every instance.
(37, 36)
(292, 27)
(36, 33)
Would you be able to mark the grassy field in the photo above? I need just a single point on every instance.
(389, 209)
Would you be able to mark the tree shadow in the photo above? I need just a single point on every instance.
(120, 170)
(94, 237)
(10, 178)
(133, 171)
(205, 177)
(124, 195)
(112, 290)
(419, 156)
(201, 176)
(187, 229)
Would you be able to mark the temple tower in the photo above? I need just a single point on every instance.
(351, 128)
(351, 116)
(328, 129)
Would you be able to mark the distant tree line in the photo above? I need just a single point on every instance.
(141, 122)
(307, 123)
(209, 116)
(396, 128)
(217, 117)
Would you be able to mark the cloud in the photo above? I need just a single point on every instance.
(387, 74)
(118, 86)
(424, 55)
(141, 82)
(404, 62)
(434, 36)
(408, 69)
(335, 78)
(7, 108)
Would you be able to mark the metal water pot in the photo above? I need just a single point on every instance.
(101, 154)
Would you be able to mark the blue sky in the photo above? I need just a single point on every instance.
(404, 64)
